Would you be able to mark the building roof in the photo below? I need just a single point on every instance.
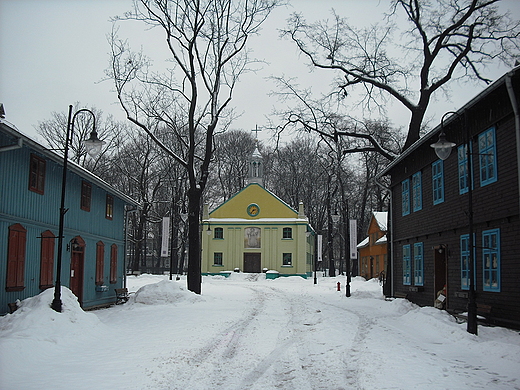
(23, 139)
(428, 137)
(235, 206)
(363, 244)
(381, 218)
(382, 240)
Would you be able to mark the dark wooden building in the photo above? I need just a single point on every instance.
(430, 209)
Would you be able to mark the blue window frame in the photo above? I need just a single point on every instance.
(438, 181)
(418, 264)
(464, 262)
(405, 188)
(491, 259)
(417, 191)
(462, 156)
(407, 265)
(487, 157)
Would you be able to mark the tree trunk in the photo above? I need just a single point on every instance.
(414, 129)
(194, 254)
(330, 243)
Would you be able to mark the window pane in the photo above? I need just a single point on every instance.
(287, 259)
(487, 152)
(491, 259)
(217, 258)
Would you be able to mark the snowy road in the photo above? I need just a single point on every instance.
(246, 332)
(277, 340)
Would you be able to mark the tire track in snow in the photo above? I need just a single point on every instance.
(325, 349)
(211, 362)
(297, 352)
(299, 360)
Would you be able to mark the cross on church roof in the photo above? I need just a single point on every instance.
(256, 130)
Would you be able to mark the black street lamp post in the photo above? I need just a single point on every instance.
(93, 146)
(443, 150)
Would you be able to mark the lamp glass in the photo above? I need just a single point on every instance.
(443, 147)
(94, 145)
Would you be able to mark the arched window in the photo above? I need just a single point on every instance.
(219, 233)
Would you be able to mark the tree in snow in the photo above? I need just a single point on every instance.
(444, 40)
(206, 42)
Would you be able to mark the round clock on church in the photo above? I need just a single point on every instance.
(253, 210)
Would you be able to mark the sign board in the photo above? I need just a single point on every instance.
(353, 238)
(165, 236)
(320, 244)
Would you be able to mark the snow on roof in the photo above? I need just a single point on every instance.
(381, 218)
(363, 243)
(382, 240)
(256, 220)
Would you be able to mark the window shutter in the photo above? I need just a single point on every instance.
(16, 258)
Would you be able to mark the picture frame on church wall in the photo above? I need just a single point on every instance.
(252, 237)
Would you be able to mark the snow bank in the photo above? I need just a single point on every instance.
(162, 293)
(36, 319)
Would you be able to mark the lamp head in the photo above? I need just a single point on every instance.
(442, 146)
(94, 145)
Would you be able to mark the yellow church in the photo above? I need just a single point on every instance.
(255, 231)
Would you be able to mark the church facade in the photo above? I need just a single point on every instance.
(255, 231)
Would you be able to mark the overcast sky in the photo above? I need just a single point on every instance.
(54, 53)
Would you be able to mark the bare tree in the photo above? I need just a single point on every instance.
(206, 41)
(444, 40)
(54, 131)
(232, 151)
(320, 116)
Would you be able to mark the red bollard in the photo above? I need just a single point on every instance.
(339, 286)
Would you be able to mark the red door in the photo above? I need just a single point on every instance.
(77, 267)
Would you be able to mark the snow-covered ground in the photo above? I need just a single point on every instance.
(246, 332)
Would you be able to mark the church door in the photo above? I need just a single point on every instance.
(252, 262)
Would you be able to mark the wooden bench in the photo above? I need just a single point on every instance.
(400, 294)
(482, 310)
(13, 306)
(122, 295)
(397, 294)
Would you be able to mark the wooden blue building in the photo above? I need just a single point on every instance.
(94, 230)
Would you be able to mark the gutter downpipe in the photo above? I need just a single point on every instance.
(390, 243)
(514, 104)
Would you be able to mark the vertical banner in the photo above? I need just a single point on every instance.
(353, 238)
(165, 236)
(319, 247)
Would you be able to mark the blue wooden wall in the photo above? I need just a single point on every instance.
(38, 213)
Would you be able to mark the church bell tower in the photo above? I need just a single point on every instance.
(256, 168)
